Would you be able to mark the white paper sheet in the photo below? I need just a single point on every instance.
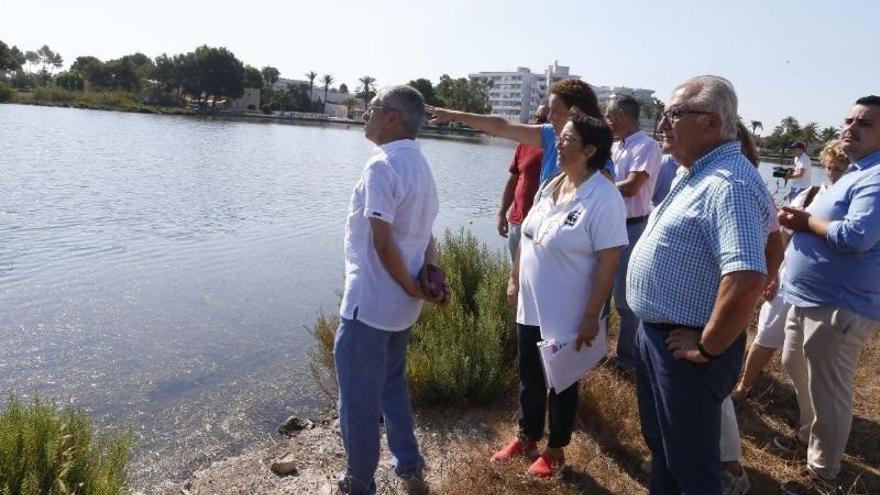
(563, 365)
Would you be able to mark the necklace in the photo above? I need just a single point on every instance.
(566, 188)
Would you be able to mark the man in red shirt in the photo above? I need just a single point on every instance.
(519, 192)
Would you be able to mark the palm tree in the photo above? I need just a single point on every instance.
(658, 107)
(756, 124)
(349, 104)
(311, 75)
(328, 80)
(810, 133)
(368, 89)
(828, 134)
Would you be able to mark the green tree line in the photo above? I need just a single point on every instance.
(208, 74)
(789, 130)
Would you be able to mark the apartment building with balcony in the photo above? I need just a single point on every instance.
(516, 95)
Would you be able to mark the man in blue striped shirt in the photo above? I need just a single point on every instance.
(832, 279)
(694, 279)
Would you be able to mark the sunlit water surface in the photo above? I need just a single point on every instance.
(160, 271)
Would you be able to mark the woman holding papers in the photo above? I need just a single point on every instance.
(570, 249)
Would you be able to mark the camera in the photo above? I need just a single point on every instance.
(781, 172)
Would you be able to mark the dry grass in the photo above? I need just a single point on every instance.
(607, 448)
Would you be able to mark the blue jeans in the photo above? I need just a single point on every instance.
(629, 323)
(680, 411)
(371, 371)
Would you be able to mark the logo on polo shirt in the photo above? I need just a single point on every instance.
(377, 214)
(572, 217)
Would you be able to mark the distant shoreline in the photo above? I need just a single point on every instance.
(457, 133)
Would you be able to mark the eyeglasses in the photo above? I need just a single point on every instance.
(565, 140)
(373, 106)
(676, 114)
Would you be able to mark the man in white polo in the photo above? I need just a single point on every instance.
(388, 242)
(799, 178)
(636, 158)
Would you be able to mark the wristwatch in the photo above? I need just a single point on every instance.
(705, 353)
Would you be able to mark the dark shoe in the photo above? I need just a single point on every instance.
(416, 484)
(789, 446)
(734, 485)
(813, 484)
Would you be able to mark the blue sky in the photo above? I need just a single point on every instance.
(809, 58)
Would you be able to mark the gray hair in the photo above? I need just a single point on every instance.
(406, 100)
(627, 105)
(716, 93)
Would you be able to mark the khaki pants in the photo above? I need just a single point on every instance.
(821, 353)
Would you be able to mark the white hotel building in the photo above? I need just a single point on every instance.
(516, 95)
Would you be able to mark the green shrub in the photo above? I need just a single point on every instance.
(6, 93)
(462, 354)
(99, 99)
(52, 451)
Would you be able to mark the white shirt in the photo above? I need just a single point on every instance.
(802, 163)
(396, 187)
(801, 198)
(557, 254)
(637, 153)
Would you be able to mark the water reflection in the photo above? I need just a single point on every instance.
(160, 270)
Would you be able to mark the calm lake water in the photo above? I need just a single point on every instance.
(160, 271)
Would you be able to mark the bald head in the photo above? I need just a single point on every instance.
(542, 114)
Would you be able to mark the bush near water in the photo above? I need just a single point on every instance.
(462, 354)
(6, 93)
(45, 450)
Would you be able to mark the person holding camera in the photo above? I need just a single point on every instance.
(800, 176)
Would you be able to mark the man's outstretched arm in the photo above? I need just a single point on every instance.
(496, 126)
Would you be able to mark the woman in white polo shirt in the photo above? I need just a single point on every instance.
(571, 244)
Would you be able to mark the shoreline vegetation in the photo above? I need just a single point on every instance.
(462, 380)
(120, 101)
(461, 367)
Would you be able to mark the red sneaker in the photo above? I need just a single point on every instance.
(516, 448)
(547, 467)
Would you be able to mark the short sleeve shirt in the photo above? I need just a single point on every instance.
(549, 167)
(558, 254)
(637, 153)
(526, 165)
(713, 222)
(548, 140)
(396, 187)
(668, 169)
(802, 163)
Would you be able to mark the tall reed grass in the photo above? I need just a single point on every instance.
(45, 450)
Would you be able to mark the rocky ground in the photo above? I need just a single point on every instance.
(318, 457)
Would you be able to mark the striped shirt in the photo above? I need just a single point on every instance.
(712, 222)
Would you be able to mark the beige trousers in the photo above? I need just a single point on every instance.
(821, 353)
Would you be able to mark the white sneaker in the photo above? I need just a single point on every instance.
(734, 485)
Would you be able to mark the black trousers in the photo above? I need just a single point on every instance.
(533, 397)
